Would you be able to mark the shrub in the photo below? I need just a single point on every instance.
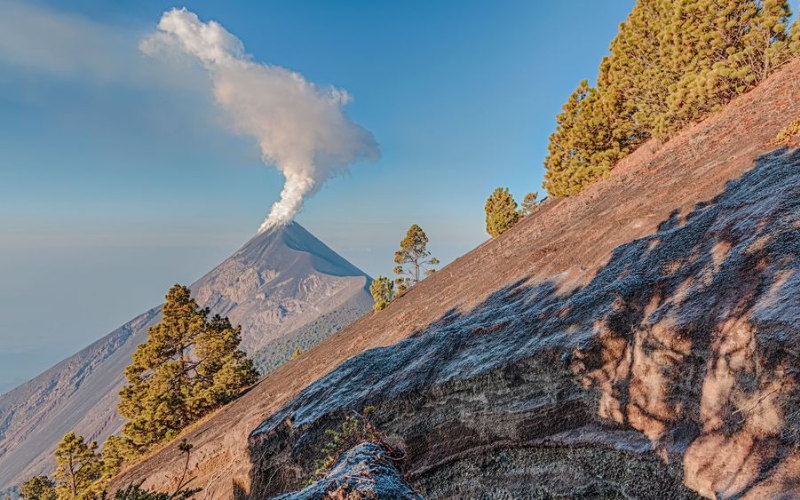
(382, 290)
(355, 429)
(501, 212)
(788, 132)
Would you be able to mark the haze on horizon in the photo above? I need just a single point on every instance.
(122, 175)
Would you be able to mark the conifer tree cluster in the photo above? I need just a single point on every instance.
(83, 473)
(672, 63)
(79, 469)
(189, 365)
(413, 263)
(502, 213)
(38, 488)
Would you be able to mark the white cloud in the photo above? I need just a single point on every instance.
(301, 128)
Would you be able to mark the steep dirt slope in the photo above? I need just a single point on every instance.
(277, 286)
(478, 345)
(689, 336)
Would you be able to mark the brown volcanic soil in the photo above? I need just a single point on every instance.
(565, 244)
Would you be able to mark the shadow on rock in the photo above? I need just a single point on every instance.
(674, 369)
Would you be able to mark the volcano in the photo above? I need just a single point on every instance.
(287, 290)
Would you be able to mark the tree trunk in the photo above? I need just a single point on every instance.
(73, 485)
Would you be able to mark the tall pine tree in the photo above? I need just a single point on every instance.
(189, 365)
(586, 143)
(79, 468)
(413, 260)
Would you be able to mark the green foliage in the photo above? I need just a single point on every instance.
(116, 450)
(413, 259)
(38, 488)
(355, 429)
(83, 474)
(78, 468)
(735, 45)
(586, 143)
(501, 212)
(672, 63)
(788, 132)
(188, 366)
(81, 471)
(382, 290)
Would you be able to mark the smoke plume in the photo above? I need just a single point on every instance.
(301, 128)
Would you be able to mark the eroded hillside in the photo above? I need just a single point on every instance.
(635, 339)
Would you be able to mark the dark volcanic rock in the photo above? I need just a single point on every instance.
(366, 471)
(674, 366)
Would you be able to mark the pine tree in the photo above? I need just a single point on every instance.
(793, 44)
(413, 259)
(501, 212)
(38, 488)
(768, 41)
(116, 450)
(638, 73)
(585, 144)
(672, 63)
(189, 365)
(529, 204)
(720, 49)
(79, 467)
(382, 290)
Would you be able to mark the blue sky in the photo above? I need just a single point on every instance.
(118, 176)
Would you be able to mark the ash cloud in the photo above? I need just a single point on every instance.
(300, 127)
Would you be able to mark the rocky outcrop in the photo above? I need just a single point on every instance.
(285, 287)
(366, 471)
(633, 341)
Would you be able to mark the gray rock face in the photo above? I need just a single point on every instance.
(285, 287)
(672, 372)
(366, 471)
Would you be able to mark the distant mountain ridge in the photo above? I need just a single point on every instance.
(285, 287)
